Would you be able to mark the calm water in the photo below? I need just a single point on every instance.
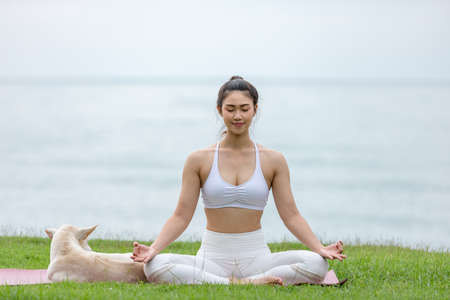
(368, 163)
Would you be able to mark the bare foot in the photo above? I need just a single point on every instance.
(272, 280)
(339, 246)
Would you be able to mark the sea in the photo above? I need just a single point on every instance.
(369, 162)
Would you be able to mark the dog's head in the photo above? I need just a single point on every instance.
(68, 237)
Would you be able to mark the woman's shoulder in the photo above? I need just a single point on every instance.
(270, 155)
(197, 157)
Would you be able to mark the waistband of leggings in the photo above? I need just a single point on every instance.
(253, 240)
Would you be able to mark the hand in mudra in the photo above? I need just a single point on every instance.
(333, 251)
(142, 253)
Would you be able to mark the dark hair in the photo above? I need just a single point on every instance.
(237, 83)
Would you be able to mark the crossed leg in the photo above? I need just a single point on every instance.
(189, 269)
(293, 267)
(287, 267)
(183, 269)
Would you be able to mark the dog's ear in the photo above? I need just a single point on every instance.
(83, 233)
(50, 232)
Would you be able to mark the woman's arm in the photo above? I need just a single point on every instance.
(297, 225)
(177, 223)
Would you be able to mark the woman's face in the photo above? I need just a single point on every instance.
(237, 111)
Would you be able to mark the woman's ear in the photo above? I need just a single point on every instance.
(219, 110)
(256, 107)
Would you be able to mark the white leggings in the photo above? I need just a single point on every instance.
(241, 255)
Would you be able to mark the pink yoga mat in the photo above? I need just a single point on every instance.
(21, 276)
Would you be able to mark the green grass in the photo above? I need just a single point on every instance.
(374, 272)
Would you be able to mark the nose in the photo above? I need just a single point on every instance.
(237, 115)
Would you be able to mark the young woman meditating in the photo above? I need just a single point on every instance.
(235, 177)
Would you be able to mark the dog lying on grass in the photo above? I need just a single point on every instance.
(71, 258)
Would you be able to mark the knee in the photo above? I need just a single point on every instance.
(159, 264)
(317, 265)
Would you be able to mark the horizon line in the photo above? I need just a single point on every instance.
(213, 79)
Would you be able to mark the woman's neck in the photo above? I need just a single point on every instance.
(236, 141)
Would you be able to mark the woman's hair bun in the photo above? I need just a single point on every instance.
(236, 77)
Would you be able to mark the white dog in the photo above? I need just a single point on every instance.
(71, 258)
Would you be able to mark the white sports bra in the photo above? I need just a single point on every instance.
(218, 193)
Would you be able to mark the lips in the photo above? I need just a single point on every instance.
(238, 124)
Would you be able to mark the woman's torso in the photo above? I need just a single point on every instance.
(235, 168)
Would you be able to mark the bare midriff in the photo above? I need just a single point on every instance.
(233, 219)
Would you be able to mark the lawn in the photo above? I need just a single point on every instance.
(374, 272)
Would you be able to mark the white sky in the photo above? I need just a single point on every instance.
(348, 38)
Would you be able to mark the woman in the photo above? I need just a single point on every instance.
(235, 177)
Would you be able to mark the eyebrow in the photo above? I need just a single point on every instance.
(235, 105)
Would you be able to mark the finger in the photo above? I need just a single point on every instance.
(335, 256)
(139, 259)
(342, 257)
(147, 259)
(135, 244)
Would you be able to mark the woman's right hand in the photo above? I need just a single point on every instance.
(142, 253)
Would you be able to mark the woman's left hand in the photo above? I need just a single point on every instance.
(333, 251)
